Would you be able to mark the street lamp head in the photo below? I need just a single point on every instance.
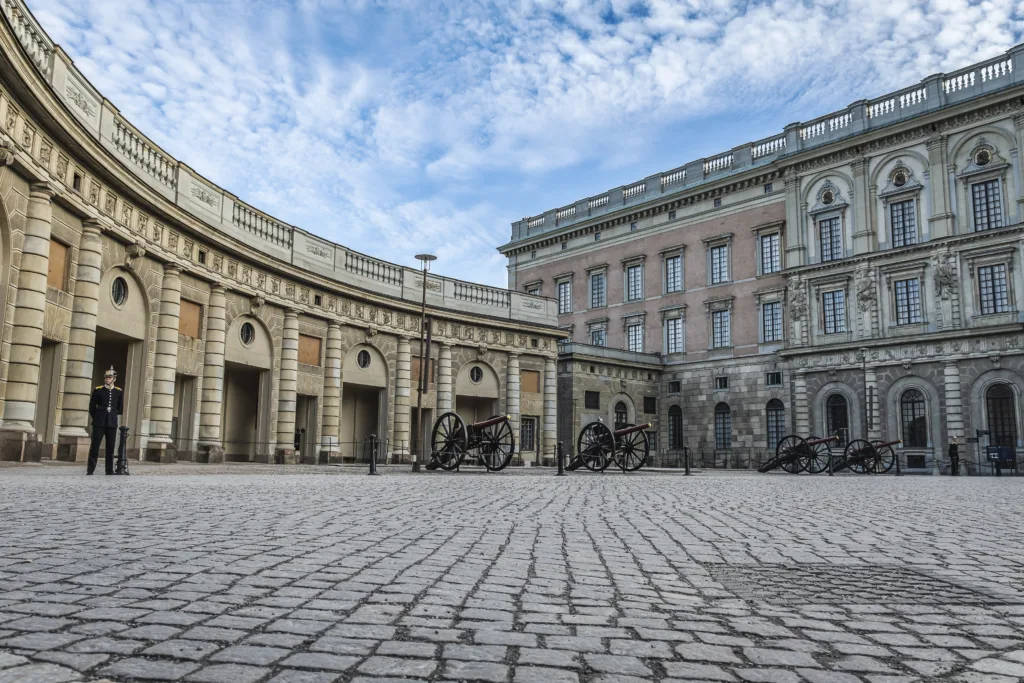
(425, 260)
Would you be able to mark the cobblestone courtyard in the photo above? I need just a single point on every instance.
(299, 575)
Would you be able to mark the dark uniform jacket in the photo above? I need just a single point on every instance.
(105, 406)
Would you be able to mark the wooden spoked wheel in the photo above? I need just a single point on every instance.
(792, 453)
(595, 446)
(631, 450)
(886, 457)
(819, 457)
(495, 445)
(861, 456)
(449, 441)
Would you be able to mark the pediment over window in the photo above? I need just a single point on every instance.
(829, 198)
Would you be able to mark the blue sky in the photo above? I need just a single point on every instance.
(424, 125)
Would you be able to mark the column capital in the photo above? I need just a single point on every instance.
(92, 225)
(333, 325)
(218, 288)
(291, 313)
(951, 363)
(513, 355)
(40, 191)
(172, 269)
(936, 141)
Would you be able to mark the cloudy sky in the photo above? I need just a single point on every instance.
(429, 125)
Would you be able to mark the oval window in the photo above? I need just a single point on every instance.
(363, 359)
(119, 291)
(247, 333)
(476, 374)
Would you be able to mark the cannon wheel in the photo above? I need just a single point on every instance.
(789, 445)
(885, 459)
(868, 464)
(448, 441)
(496, 445)
(820, 454)
(631, 450)
(595, 446)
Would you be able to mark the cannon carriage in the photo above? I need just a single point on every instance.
(795, 454)
(867, 457)
(597, 447)
(490, 441)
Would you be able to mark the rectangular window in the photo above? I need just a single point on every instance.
(771, 259)
(635, 338)
(597, 236)
(528, 434)
(309, 350)
(720, 332)
(190, 316)
(414, 372)
(650, 405)
(674, 335)
(903, 222)
(534, 290)
(675, 387)
(634, 283)
(56, 275)
(988, 205)
(721, 383)
(723, 428)
(771, 321)
(833, 305)
(773, 379)
(597, 290)
(565, 297)
(830, 232)
(719, 264)
(768, 187)
(529, 381)
(776, 423)
(599, 336)
(565, 245)
(908, 302)
(652, 439)
(993, 291)
(674, 274)
(592, 400)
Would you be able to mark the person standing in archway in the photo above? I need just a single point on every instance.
(105, 407)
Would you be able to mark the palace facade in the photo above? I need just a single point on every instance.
(235, 335)
(855, 274)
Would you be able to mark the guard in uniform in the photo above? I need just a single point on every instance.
(105, 407)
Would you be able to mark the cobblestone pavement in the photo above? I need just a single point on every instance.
(235, 575)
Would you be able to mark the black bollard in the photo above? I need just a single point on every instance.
(830, 473)
(373, 455)
(561, 460)
(122, 453)
(899, 472)
(686, 461)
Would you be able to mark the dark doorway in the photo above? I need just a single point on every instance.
(240, 413)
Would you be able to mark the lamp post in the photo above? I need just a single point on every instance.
(421, 386)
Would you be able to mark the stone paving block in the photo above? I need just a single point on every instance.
(769, 657)
(699, 652)
(398, 666)
(475, 653)
(317, 660)
(149, 669)
(248, 654)
(183, 649)
(228, 673)
(475, 671)
(532, 674)
(704, 672)
(39, 673)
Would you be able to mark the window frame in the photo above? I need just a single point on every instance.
(778, 334)
(1007, 306)
(913, 313)
(528, 424)
(635, 336)
(833, 307)
(915, 230)
(835, 239)
(774, 410)
(559, 283)
(997, 182)
(600, 272)
(723, 426)
(721, 329)
(919, 403)
(678, 335)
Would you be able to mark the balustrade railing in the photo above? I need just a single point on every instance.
(479, 294)
(634, 190)
(32, 38)
(717, 164)
(673, 178)
(372, 268)
(768, 147)
(597, 202)
(261, 226)
(139, 150)
(535, 222)
(567, 212)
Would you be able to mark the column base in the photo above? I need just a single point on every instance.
(73, 448)
(324, 457)
(285, 456)
(210, 453)
(161, 451)
(14, 444)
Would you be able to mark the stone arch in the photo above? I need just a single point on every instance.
(886, 160)
(811, 185)
(974, 136)
(376, 374)
(133, 318)
(630, 408)
(260, 353)
(979, 389)
(488, 387)
(933, 410)
(819, 424)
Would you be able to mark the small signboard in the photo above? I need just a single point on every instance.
(1001, 454)
(972, 439)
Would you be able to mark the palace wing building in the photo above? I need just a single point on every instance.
(856, 275)
(235, 335)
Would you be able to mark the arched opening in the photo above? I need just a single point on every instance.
(1001, 408)
(675, 428)
(913, 425)
(245, 405)
(723, 427)
(621, 415)
(775, 422)
(364, 400)
(837, 418)
(477, 391)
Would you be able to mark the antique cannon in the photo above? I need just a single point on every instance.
(795, 454)
(867, 457)
(597, 447)
(491, 440)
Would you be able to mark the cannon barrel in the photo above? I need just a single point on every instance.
(883, 444)
(488, 423)
(815, 442)
(629, 430)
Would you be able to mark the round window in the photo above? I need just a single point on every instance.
(899, 179)
(982, 157)
(247, 333)
(363, 359)
(119, 291)
(476, 374)
(827, 197)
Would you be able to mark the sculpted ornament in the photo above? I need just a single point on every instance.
(6, 153)
(867, 297)
(134, 252)
(945, 276)
(797, 299)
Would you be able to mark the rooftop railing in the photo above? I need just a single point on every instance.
(934, 92)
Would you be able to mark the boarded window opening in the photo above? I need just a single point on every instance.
(190, 318)
(529, 381)
(309, 350)
(414, 379)
(56, 276)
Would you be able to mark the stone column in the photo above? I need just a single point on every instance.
(160, 447)
(954, 410)
(550, 429)
(796, 252)
(941, 220)
(444, 379)
(512, 393)
(332, 392)
(863, 240)
(871, 400)
(403, 375)
(211, 441)
(801, 412)
(287, 388)
(27, 333)
(74, 436)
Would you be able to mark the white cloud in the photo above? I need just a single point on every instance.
(396, 127)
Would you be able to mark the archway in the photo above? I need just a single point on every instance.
(364, 395)
(245, 404)
(477, 391)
